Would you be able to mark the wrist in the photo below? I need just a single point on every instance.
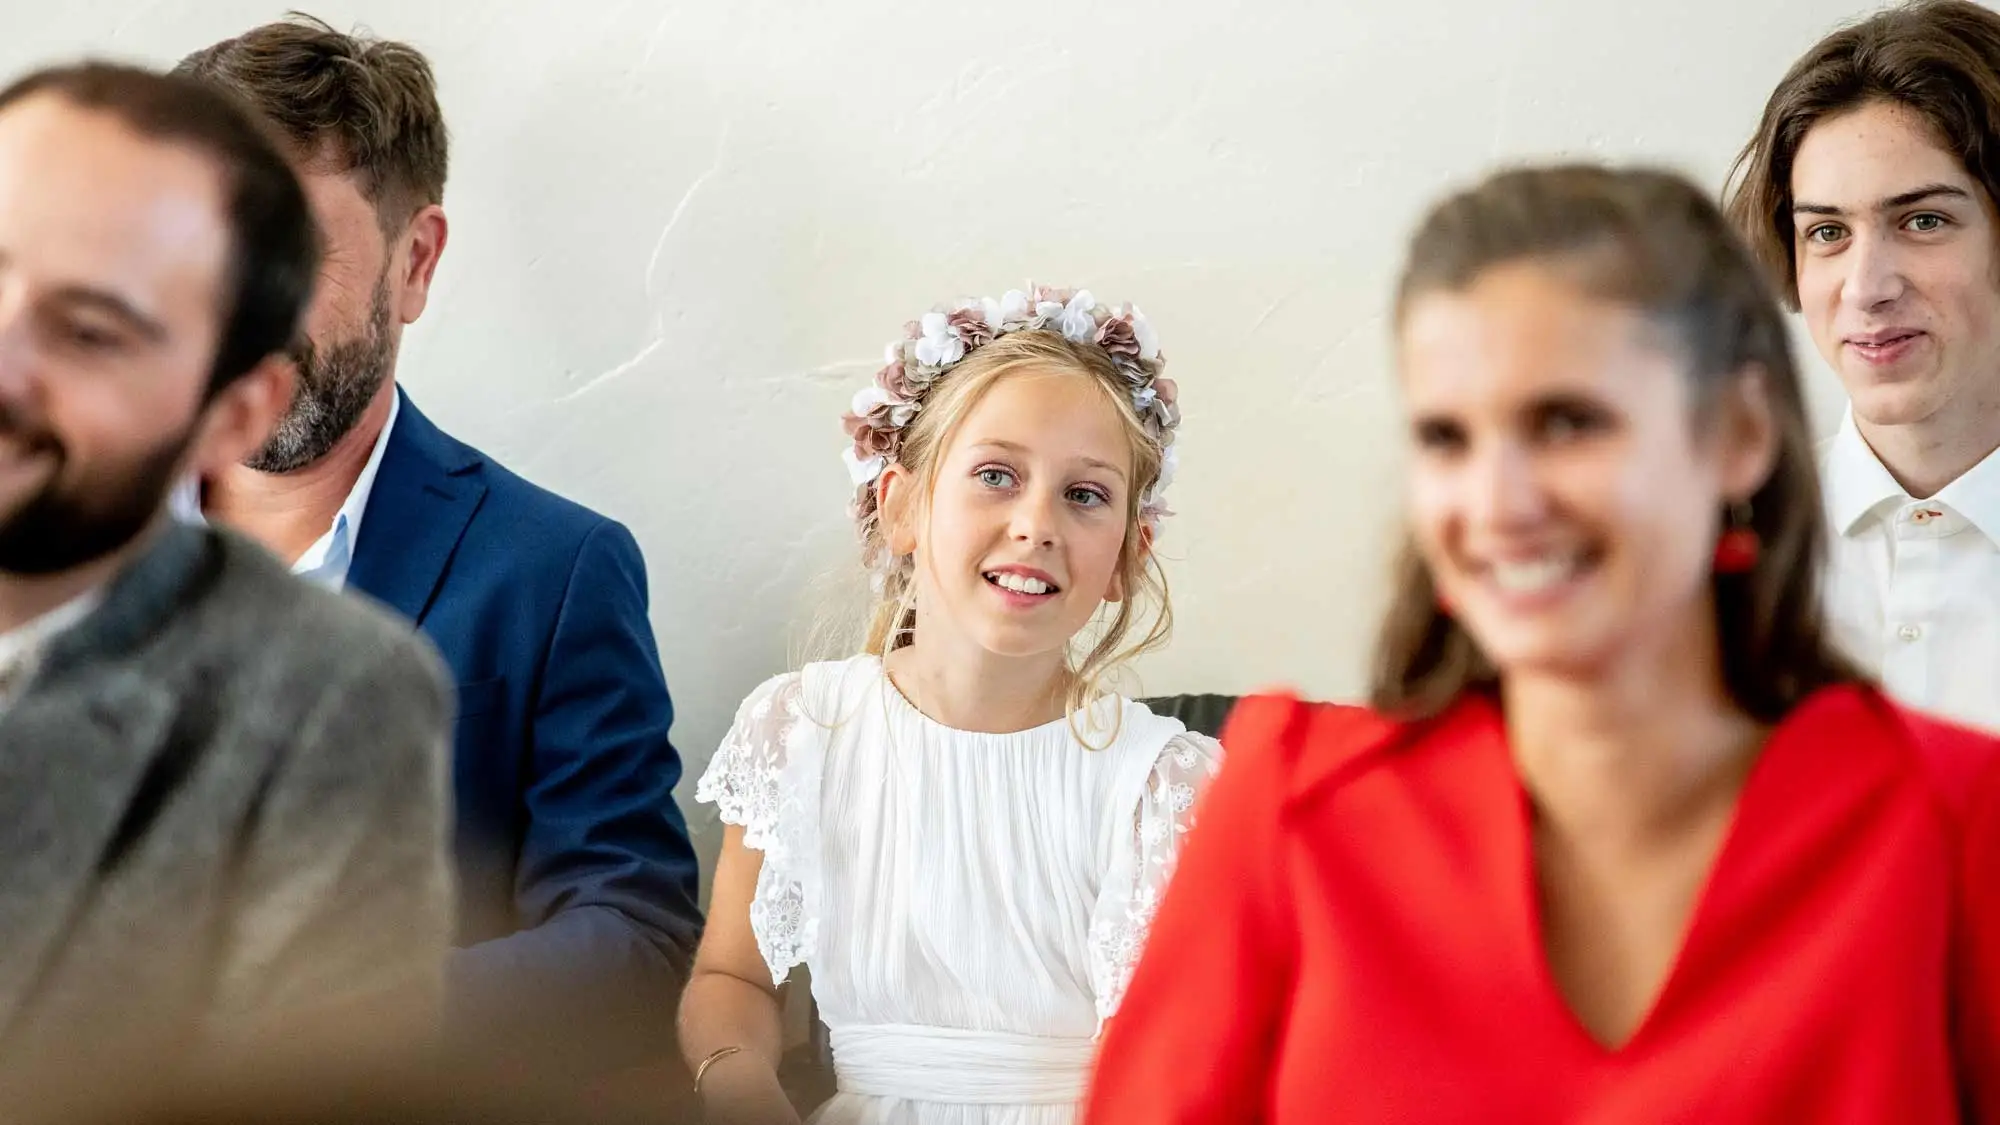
(709, 1061)
(733, 1072)
(743, 1089)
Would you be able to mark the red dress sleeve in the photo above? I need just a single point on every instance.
(1977, 990)
(1196, 1035)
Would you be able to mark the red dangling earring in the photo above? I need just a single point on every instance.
(1737, 548)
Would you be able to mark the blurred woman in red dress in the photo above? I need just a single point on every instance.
(1621, 838)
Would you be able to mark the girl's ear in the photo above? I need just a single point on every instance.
(1142, 548)
(895, 492)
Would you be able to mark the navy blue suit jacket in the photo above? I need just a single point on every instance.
(578, 914)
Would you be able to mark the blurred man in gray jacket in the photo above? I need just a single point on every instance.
(222, 802)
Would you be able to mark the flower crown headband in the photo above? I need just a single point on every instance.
(940, 341)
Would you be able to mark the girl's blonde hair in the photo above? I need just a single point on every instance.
(1106, 643)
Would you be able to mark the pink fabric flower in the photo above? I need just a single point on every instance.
(931, 346)
(1117, 337)
(874, 421)
(894, 381)
(873, 437)
(971, 326)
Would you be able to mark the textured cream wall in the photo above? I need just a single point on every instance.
(681, 233)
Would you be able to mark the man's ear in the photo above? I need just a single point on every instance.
(237, 423)
(425, 236)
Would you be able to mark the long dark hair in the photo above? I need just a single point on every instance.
(1652, 241)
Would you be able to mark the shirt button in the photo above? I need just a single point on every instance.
(1910, 632)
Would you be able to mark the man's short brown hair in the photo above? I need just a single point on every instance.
(369, 104)
(274, 251)
(1940, 59)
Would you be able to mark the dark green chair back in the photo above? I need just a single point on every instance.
(1203, 714)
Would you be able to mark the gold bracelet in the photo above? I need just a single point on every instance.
(714, 1057)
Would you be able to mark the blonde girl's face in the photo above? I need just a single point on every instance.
(1027, 517)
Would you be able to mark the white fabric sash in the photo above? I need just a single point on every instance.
(951, 1065)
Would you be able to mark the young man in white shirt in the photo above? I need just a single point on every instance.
(1869, 189)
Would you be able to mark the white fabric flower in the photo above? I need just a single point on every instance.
(1010, 307)
(940, 346)
(943, 337)
(1077, 324)
(862, 472)
(867, 399)
(1142, 330)
(1155, 498)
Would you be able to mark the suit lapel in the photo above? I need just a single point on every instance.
(74, 761)
(425, 494)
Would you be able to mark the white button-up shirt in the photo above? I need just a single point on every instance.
(1914, 585)
(21, 648)
(331, 556)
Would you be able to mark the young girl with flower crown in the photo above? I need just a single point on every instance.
(962, 831)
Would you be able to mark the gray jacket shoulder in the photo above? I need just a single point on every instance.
(305, 640)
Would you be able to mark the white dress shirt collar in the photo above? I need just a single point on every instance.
(1858, 486)
(329, 558)
(21, 647)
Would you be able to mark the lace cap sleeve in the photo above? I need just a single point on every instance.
(742, 779)
(1165, 813)
(765, 777)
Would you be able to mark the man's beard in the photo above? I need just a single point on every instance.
(335, 387)
(70, 523)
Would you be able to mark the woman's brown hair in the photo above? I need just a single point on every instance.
(1939, 59)
(1654, 242)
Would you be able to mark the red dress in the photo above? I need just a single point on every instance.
(1352, 937)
